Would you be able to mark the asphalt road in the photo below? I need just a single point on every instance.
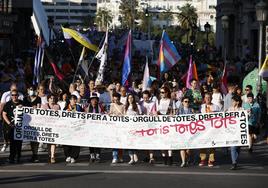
(252, 172)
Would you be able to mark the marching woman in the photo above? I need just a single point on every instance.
(54, 106)
(117, 109)
(185, 109)
(94, 107)
(164, 107)
(133, 109)
(235, 150)
(32, 100)
(72, 152)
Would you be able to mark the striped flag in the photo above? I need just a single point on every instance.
(59, 75)
(264, 69)
(146, 76)
(79, 37)
(102, 56)
(38, 60)
(127, 62)
(192, 73)
(168, 54)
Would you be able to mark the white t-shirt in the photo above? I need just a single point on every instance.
(217, 99)
(123, 100)
(76, 94)
(163, 106)
(44, 100)
(147, 107)
(132, 112)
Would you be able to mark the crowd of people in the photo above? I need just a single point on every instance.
(164, 97)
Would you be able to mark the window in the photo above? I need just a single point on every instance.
(62, 4)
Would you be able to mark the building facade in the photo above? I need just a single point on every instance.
(242, 35)
(73, 12)
(16, 32)
(205, 10)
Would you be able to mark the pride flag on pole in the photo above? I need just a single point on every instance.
(127, 62)
(168, 54)
(224, 80)
(146, 76)
(192, 73)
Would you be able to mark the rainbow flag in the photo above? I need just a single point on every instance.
(127, 62)
(168, 54)
(264, 69)
(192, 73)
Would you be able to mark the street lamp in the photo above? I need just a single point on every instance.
(50, 23)
(225, 26)
(261, 14)
(207, 27)
(147, 15)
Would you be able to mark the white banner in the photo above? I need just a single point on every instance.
(222, 129)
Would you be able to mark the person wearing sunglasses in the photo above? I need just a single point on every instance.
(185, 109)
(208, 107)
(164, 107)
(9, 120)
(248, 89)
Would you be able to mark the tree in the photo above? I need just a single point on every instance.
(188, 18)
(103, 17)
(128, 11)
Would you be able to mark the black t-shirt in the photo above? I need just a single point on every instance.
(9, 109)
(27, 101)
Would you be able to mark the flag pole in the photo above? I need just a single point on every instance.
(103, 38)
(79, 62)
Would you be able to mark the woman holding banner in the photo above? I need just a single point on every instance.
(32, 100)
(94, 107)
(72, 152)
(235, 150)
(133, 109)
(117, 109)
(53, 106)
(185, 109)
(164, 107)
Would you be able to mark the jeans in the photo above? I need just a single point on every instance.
(115, 154)
(235, 150)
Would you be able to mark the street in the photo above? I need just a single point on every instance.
(252, 171)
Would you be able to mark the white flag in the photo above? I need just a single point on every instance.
(102, 56)
(146, 76)
(82, 62)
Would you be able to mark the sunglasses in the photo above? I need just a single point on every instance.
(14, 95)
(246, 89)
(186, 101)
(162, 92)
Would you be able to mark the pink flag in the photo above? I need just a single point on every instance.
(224, 80)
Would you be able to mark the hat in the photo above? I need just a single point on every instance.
(94, 96)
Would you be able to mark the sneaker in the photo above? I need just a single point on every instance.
(136, 158)
(183, 165)
(121, 160)
(68, 159)
(131, 162)
(234, 167)
(210, 164)
(52, 160)
(3, 149)
(151, 161)
(114, 161)
(202, 163)
(73, 160)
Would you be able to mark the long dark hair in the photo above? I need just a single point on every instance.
(134, 104)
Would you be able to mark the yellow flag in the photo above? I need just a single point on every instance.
(79, 37)
(264, 69)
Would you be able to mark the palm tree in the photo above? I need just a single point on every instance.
(187, 17)
(128, 12)
(103, 17)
